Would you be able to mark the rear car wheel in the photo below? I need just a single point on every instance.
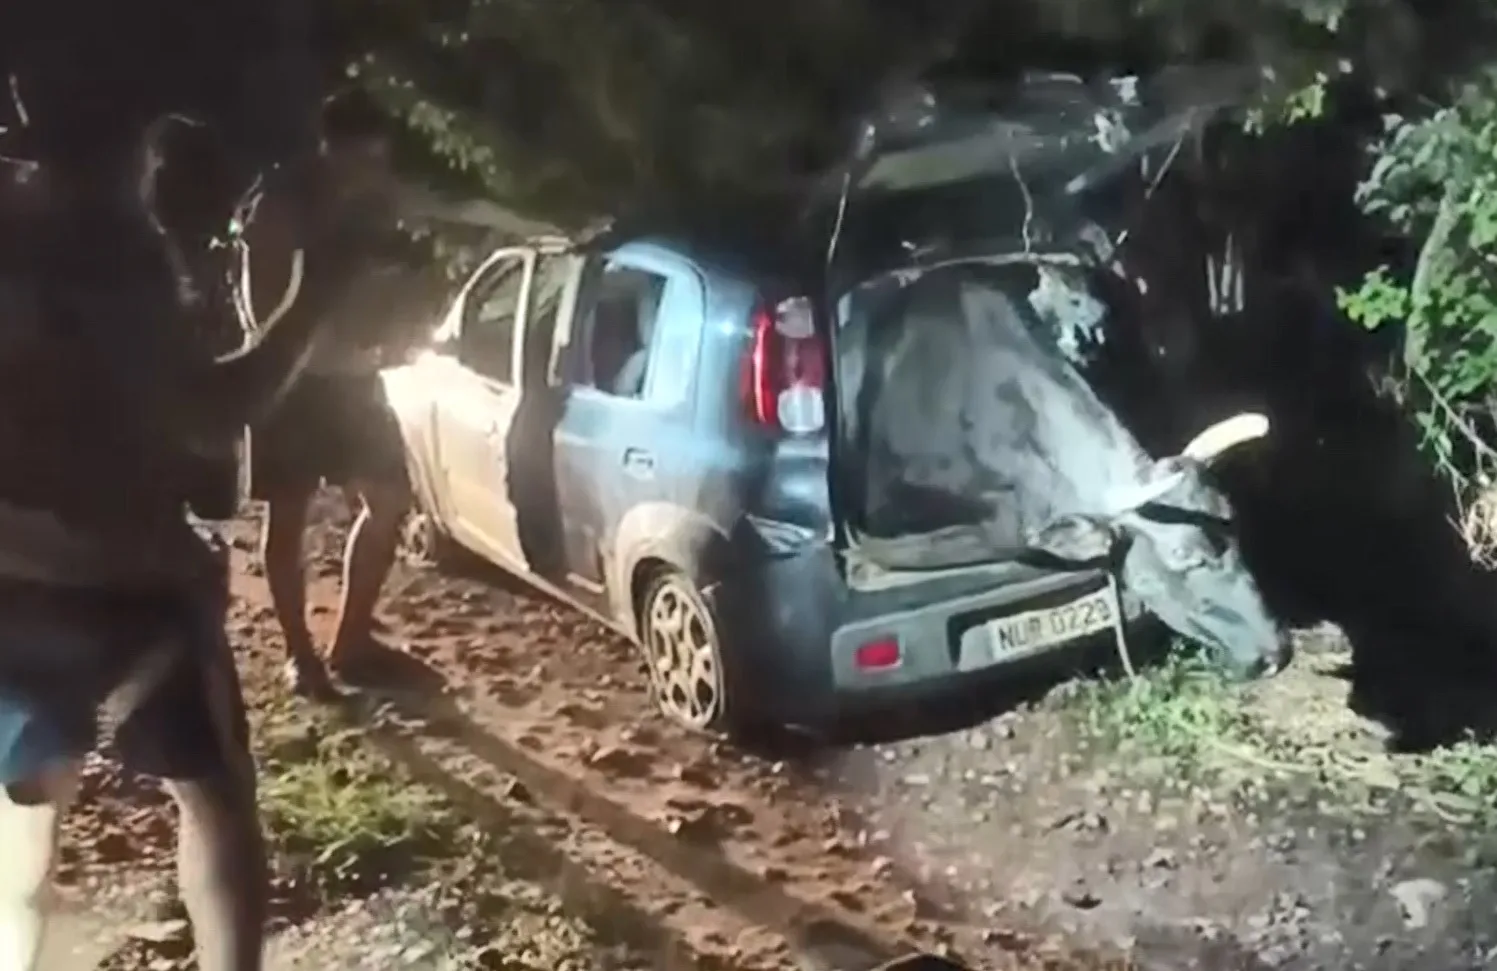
(684, 656)
(426, 541)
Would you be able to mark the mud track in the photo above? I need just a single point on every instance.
(534, 719)
(536, 722)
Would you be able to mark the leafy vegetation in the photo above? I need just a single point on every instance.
(569, 109)
(1433, 180)
(347, 819)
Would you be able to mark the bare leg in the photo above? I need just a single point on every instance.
(372, 543)
(30, 816)
(281, 546)
(221, 871)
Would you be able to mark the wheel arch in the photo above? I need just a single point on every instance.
(655, 538)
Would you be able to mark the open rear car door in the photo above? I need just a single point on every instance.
(971, 229)
(969, 223)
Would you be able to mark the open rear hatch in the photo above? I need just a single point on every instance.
(971, 228)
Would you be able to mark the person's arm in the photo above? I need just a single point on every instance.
(240, 388)
(274, 130)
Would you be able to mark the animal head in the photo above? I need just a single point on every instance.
(1172, 541)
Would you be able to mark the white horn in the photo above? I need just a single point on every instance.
(293, 288)
(1227, 434)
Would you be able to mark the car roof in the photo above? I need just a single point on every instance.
(714, 257)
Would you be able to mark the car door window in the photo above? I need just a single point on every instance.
(553, 271)
(619, 327)
(677, 338)
(487, 340)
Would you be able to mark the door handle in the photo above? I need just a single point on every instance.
(639, 463)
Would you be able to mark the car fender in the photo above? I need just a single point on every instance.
(683, 538)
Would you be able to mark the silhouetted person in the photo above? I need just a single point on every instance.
(336, 428)
(110, 403)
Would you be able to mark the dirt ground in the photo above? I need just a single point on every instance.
(1156, 825)
(1235, 849)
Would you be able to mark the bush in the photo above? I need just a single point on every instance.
(1433, 179)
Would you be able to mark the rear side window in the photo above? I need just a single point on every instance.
(637, 336)
(673, 361)
(618, 330)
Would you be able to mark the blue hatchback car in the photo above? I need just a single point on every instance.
(643, 430)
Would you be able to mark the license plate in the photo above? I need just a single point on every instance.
(1036, 630)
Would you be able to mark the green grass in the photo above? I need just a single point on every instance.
(1466, 776)
(346, 817)
(1182, 709)
(349, 822)
(1189, 722)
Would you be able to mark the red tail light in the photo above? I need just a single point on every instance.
(784, 379)
(877, 655)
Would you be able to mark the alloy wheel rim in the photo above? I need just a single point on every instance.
(418, 538)
(682, 659)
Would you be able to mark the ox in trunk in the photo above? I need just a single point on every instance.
(961, 280)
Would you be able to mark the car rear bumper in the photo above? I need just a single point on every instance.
(793, 627)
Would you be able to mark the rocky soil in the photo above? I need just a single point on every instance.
(1264, 829)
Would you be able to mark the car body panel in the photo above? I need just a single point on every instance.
(472, 421)
(655, 534)
(614, 453)
(471, 417)
(415, 412)
(795, 615)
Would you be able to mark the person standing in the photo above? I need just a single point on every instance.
(112, 607)
(336, 428)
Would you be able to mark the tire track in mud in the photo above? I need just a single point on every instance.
(528, 840)
(815, 935)
(537, 699)
(532, 846)
(553, 699)
(660, 894)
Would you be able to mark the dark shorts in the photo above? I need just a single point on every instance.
(61, 676)
(333, 430)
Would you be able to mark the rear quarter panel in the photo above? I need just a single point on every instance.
(760, 473)
(729, 473)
